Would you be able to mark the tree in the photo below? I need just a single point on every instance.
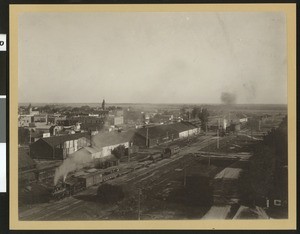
(119, 151)
(203, 116)
(195, 112)
(24, 136)
(267, 174)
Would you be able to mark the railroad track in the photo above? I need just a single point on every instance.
(144, 177)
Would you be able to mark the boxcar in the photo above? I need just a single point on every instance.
(156, 157)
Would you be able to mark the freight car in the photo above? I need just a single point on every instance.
(110, 170)
(169, 151)
(110, 176)
(74, 185)
(90, 177)
(156, 157)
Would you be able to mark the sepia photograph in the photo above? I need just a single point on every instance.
(150, 116)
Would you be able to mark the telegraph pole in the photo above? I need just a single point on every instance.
(184, 175)
(147, 141)
(218, 139)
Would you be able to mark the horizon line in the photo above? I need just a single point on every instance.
(152, 103)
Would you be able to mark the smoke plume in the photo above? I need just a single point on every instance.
(74, 162)
(228, 98)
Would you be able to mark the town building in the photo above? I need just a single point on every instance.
(41, 118)
(116, 120)
(53, 119)
(34, 136)
(242, 118)
(25, 120)
(34, 111)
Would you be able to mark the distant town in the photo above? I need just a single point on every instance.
(152, 161)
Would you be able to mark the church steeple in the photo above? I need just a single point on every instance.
(103, 104)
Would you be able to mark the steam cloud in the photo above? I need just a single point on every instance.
(74, 162)
(228, 98)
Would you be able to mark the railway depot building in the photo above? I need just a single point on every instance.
(58, 147)
(160, 134)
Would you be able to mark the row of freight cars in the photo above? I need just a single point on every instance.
(82, 180)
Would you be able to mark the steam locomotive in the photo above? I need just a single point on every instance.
(81, 181)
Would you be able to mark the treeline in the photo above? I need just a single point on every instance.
(266, 177)
(197, 113)
(52, 108)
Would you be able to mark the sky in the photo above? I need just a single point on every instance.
(152, 57)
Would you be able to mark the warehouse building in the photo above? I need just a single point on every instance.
(156, 135)
(185, 129)
(105, 142)
(160, 134)
(58, 147)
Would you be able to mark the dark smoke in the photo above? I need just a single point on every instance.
(228, 98)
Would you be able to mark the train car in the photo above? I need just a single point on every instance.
(125, 171)
(110, 170)
(74, 185)
(90, 178)
(169, 151)
(110, 176)
(156, 157)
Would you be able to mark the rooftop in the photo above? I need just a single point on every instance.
(103, 139)
(165, 129)
(56, 140)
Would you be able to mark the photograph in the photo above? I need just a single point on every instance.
(149, 115)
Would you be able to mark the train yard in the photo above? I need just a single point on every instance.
(145, 175)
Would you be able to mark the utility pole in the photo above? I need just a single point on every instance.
(184, 175)
(251, 128)
(218, 139)
(129, 148)
(147, 141)
(139, 204)
(218, 133)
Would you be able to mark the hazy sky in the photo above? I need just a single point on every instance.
(152, 57)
